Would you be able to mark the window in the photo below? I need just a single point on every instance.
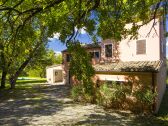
(68, 57)
(108, 50)
(110, 83)
(94, 54)
(141, 47)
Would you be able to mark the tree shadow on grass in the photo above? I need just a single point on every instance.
(20, 105)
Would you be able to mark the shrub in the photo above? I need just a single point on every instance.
(77, 92)
(112, 95)
(145, 97)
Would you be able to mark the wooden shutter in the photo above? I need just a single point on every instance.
(141, 47)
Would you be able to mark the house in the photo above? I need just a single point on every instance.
(139, 60)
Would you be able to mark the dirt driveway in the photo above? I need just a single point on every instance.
(51, 105)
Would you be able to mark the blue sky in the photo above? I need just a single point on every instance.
(57, 46)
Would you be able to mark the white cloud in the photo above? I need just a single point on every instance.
(76, 29)
(50, 39)
(167, 41)
(81, 30)
(57, 53)
(56, 35)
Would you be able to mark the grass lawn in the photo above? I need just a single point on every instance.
(23, 86)
(27, 82)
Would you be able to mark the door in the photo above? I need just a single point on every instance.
(58, 76)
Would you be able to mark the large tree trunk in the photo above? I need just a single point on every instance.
(3, 67)
(13, 78)
(3, 79)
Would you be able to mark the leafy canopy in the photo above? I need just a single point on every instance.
(107, 17)
(26, 24)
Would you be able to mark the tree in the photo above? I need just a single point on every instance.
(38, 67)
(23, 20)
(28, 54)
(58, 59)
(16, 55)
(22, 23)
(81, 68)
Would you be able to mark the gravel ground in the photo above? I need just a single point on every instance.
(51, 105)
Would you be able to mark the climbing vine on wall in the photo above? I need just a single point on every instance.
(81, 68)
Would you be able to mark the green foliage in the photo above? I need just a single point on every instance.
(26, 25)
(37, 72)
(80, 64)
(81, 68)
(145, 99)
(112, 95)
(119, 13)
(119, 96)
(37, 68)
(145, 96)
(58, 59)
(76, 92)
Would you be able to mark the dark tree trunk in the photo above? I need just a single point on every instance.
(3, 79)
(12, 83)
(3, 67)
(13, 78)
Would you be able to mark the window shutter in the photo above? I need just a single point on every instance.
(141, 47)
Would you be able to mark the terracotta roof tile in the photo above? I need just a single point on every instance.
(89, 46)
(131, 66)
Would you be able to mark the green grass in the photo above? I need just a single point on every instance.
(22, 88)
(27, 83)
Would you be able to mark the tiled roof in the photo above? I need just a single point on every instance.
(131, 66)
(93, 45)
(56, 65)
(89, 46)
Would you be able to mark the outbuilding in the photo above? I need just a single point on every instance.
(55, 74)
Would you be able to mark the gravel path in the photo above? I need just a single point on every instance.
(50, 105)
